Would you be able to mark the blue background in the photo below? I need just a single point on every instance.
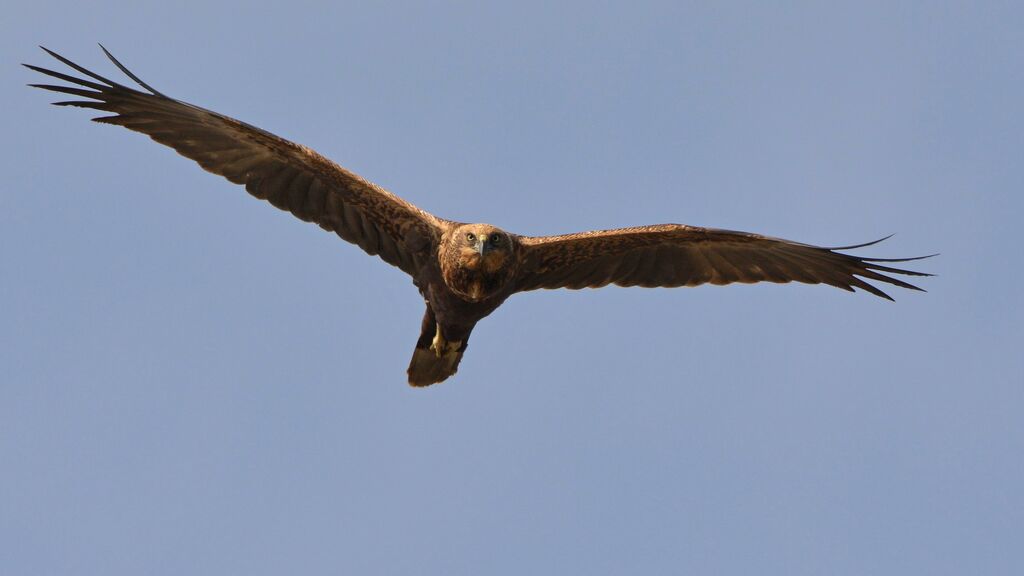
(196, 383)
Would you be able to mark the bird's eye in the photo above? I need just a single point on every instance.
(495, 238)
(471, 237)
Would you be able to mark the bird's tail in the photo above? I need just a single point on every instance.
(435, 358)
(428, 368)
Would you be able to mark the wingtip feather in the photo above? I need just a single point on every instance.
(854, 246)
(128, 72)
(85, 71)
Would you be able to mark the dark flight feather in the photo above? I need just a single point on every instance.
(671, 255)
(291, 177)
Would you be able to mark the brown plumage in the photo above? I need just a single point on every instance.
(463, 271)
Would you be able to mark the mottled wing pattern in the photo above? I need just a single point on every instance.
(671, 255)
(289, 176)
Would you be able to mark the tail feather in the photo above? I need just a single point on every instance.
(428, 368)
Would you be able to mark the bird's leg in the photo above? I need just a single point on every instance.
(440, 346)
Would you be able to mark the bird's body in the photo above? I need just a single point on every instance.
(463, 271)
(461, 286)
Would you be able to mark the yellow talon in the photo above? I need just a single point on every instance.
(442, 347)
(439, 344)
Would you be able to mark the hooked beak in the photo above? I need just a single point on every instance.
(482, 248)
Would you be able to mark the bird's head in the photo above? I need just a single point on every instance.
(482, 247)
(478, 260)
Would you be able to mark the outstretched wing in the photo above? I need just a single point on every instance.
(673, 255)
(289, 176)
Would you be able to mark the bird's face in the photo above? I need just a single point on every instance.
(483, 248)
(477, 261)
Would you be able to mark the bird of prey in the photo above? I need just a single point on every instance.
(463, 271)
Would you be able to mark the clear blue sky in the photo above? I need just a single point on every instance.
(196, 383)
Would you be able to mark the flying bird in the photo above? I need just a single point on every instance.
(463, 271)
